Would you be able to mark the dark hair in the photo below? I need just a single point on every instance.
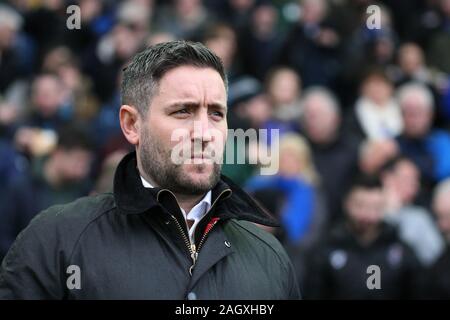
(142, 74)
(74, 136)
(391, 164)
(364, 181)
(375, 73)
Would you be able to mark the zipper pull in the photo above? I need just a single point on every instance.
(194, 253)
(194, 256)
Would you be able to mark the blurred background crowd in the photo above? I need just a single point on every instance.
(363, 114)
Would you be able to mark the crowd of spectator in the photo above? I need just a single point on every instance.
(363, 115)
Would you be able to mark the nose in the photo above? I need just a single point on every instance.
(201, 128)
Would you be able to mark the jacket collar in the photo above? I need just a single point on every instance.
(132, 197)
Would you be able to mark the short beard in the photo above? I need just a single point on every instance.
(157, 164)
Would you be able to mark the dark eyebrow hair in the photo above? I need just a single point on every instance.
(196, 104)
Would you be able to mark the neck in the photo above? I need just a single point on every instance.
(187, 202)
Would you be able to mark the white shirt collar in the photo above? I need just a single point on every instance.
(196, 213)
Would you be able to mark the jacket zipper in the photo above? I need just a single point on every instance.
(193, 251)
(191, 246)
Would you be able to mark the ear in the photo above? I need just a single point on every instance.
(130, 121)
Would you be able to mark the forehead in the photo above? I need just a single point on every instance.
(192, 82)
(318, 104)
(366, 193)
(414, 102)
(406, 166)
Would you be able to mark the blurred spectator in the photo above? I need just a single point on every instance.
(234, 12)
(411, 18)
(260, 41)
(46, 24)
(248, 109)
(47, 114)
(438, 280)
(374, 154)
(222, 40)
(105, 124)
(77, 87)
(334, 151)
(429, 148)
(401, 186)
(59, 178)
(16, 62)
(95, 20)
(312, 45)
(284, 88)
(104, 182)
(104, 61)
(12, 166)
(439, 47)
(302, 213)
(376, 113)
(185, 19)
(10, 64)
(369, 46)
(249, 105)
(412, 67)
(338, 268)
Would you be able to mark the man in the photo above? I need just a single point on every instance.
(58, 178)
(401, 187)
(339, 269)
(169, 231)
(438, 275)
(428, 148)
(334, 151)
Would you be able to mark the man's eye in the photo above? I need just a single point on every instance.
(181, 111)
(218, 114)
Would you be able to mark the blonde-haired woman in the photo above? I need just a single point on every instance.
(296, 183)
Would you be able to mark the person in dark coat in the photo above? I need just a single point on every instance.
(438, 275)
(362, 258)
(334, 151)
(57, 178)
(428, 147)
(171, 229)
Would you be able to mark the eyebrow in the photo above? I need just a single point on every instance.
(195, 104)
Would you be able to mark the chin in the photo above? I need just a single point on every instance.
(199, 173)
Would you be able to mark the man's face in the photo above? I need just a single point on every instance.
(407, 181)
(320, 120)
(186, 97)
(74, 164)
(417, 117)
(365, 207)
(377, 90)
(47, 95)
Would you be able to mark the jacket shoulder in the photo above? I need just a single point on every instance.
(65, 223)
(34, 265)
(75, 214)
